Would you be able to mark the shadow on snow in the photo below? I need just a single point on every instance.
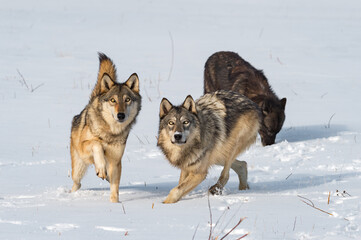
(304, 133)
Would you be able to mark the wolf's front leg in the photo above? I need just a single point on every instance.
(99, 160)
(217, 188)
(187, 185)
(182, 176)
(114, 173)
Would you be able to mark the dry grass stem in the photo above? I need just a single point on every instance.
(171, 66)
(310, 203)
(210, 221)
(241, 220)
(328, 199)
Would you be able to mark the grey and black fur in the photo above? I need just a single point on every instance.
(228, 71)
(213, 130)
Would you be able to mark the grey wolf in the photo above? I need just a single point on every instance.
(228, 71)
(213, 130)
(99, 133)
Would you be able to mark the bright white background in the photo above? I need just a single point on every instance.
(309, 50)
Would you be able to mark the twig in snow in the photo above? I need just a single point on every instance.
(123, 208)
(220, 217)
(213, 228)
(310, 203)
(245, 235)
(146, 93)
(139, 139)
(235, 228)
(146, 138)
(342, 193)
(31, 89)
(230, 220)
(158, 86)
(294, 224)
(329, 121)
(24, 81)
(324, 94)
(194, 235)
(210, 216)
(288, 176)
(171, 66)
(328, 199)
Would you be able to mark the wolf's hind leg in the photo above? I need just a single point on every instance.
(79, 168)
(240, 167)
(222, 181)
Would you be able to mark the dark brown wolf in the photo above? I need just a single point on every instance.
(228, 71)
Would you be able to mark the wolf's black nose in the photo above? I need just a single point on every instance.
(121, 116)
(177, 136)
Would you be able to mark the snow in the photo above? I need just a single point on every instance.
(311, 53)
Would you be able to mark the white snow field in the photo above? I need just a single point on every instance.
(306, 186)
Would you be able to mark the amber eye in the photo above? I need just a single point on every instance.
(127, 100)
(112, 100)
(171, 123)
(186, 122)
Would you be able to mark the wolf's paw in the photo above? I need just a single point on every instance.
(216, 190)
(243, 186)
(172, 197)
(101, 172)
(114, 198)
(168, 200)
(75, 187)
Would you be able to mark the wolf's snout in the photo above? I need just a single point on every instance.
(268, 139)
(177, 136)
(121, 116)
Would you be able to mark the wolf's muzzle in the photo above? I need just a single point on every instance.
(178, 138)
(121, 116)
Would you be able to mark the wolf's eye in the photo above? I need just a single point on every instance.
(186, 122)
(112, 100)
(127, 100)
(171, 123)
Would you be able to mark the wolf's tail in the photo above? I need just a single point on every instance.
(106, 66)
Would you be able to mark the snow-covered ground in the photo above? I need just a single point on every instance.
(309, 50)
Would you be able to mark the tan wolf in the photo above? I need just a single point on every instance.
(99, 133)
(213, 130)
(228, 71)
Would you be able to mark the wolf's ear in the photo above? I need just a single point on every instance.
(165, 107)
(106, 83)
(133, 82)
(189, 104)
(283, 103)
(265, 106)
